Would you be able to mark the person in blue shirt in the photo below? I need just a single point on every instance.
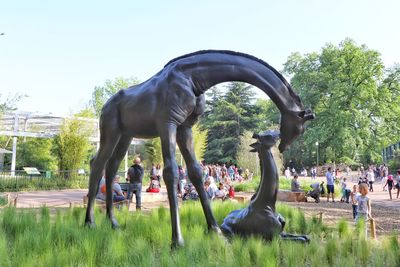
(330, 184)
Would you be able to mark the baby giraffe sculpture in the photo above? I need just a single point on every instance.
(260, 217)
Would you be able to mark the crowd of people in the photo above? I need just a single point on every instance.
(216, 178)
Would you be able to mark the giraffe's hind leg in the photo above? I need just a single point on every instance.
(111, 170)
(109, 137)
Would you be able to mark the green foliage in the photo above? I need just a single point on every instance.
(153, 151)
(10, 102)
(245, 158)
(102, 93)
(32, 238)
(71, 145)
(226, 119)
(55, 182)
(354, 102)
(36, 152)
(247, 186)
(3, 200)
(200, 141)
(267, 116)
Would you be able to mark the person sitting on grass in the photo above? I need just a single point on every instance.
(154, 186)
(295, 185)
(209, 189)
(221, 192)
(190, 193)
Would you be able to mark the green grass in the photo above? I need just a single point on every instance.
(3, 200)
(32, 238)
(284, 184)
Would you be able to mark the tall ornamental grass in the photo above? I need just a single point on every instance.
(45, 238)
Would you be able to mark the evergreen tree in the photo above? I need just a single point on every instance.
(227, 119)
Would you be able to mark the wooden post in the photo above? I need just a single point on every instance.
(372, 227)
(70, 204)
(321, 215)
(15, 201)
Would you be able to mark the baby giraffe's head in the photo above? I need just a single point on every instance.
(265, 140)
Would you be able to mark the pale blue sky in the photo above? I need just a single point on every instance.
(57, 51)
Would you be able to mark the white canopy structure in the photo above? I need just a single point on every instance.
(17, 124)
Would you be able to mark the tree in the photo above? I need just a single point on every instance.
(10, 102)
(102, 93)
(267, 115)
(200, 141)
(344, 85)
(71, 145)
(226, 120)
(153, 150)
(36, 152)
(245, 158)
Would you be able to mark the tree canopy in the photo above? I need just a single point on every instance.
(354, 100)
(102, 93)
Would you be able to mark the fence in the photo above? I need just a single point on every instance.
(21, 181)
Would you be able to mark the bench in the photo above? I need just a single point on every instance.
(102, 204)
(291, 196)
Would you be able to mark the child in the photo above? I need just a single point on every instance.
(364, 205)
(345, 191)
(389, 183)
(354, 195)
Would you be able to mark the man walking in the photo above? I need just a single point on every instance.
(330, 184)
(135, 177)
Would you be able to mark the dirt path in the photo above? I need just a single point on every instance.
(386, 212)
(387, 219)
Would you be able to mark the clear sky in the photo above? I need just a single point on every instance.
(56, 52)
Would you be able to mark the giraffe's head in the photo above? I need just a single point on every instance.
(292, 125)
(265, 140)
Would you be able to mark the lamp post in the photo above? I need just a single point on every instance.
(316, 144)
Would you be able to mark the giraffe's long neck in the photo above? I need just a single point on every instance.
(208, 69)
(269, 184)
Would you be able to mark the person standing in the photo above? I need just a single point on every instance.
(371, 179)
(330, 184)
(364, 205)
(159, 172)
(397, 185)
(313, 173)
(135, 177)
(390, 184)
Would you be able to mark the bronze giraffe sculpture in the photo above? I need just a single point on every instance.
(168, 105)
(260, 217)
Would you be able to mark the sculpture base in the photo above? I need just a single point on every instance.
(258, 222)
(253, 222)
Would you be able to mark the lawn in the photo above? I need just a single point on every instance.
(39, 238)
